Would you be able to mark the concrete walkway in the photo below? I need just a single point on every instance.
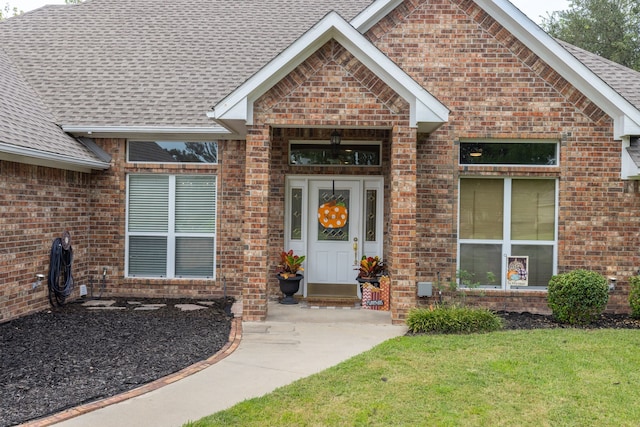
(294, 342)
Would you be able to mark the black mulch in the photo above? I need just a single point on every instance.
(539, 321)
(63, 357)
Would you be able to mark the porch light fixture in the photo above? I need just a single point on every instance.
(335, 140)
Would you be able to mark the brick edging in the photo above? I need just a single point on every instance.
(235, 336)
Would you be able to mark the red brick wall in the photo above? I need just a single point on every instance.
(332, 89)
(497, 88)
(38, 204)
(108, 247)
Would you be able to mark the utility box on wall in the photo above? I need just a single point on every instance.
(425, 289)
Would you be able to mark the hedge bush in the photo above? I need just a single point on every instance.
(634, 296)
(577, 297)
(452, 320)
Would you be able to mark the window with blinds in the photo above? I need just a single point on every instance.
(507, 217)
(171, 224)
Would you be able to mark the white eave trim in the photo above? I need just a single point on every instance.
(563, 62)
(425, 108)
(215, 131)
(373, 14)
(18, 154)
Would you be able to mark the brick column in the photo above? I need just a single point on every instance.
(255, 227)
(401, 255)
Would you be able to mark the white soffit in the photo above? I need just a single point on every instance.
(427, 113)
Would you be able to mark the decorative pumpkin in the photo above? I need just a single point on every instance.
(333, 214)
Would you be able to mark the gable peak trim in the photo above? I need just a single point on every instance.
(427, 113)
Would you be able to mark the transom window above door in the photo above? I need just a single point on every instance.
(347, 153)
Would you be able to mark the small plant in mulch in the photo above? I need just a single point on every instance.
(577, 297)
(634, 296)
(453, 319)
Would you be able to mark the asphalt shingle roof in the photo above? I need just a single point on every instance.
(162, 62)
(153, 62)
(623, 80)
(25, 121)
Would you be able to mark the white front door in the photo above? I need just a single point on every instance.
(328, 244)
(334, 226)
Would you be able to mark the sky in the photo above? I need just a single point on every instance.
(532, 8)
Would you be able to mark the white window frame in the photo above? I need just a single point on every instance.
(508, 142)
(171, 234)
(172, 142)
(506, 240)
(328, 144)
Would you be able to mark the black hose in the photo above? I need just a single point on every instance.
(60, 279)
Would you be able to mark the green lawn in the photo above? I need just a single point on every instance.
(552, 377)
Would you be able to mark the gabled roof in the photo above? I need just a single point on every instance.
(427, 113)
(94, 71)
(153, 65)
(623, 80)
(28, 132)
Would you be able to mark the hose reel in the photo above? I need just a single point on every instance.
(60, 281)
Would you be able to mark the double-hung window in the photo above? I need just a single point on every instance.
(508, 227)
(171, 226)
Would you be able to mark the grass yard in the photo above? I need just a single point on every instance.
(545, 377)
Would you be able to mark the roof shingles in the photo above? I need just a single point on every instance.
(25, 122)
(153, 62)
(623, 80)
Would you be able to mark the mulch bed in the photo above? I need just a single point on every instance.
(63, 357)
(69, 355)
(539, 321)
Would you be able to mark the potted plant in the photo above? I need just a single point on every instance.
(289, 276)
(370, 269)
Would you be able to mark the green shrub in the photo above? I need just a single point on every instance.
(577, 297)
(634, 296)
(453, 320)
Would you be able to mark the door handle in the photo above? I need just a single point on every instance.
(355, 251)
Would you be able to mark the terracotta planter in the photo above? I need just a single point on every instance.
(288, 287)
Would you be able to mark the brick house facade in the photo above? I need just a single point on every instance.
(420, 78)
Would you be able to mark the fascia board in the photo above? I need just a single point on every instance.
(17, 154)
(563, 62)
(373, 14)
(73, 129)
(237, 112)
(238, 105)
(151, 132)
(624, 126)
